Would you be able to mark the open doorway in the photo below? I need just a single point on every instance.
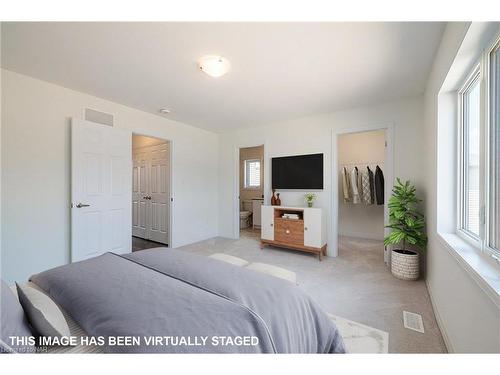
(251, 193)
(151, 187)
(362, 195)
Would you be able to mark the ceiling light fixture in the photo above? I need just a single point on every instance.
(164, 111)
(214, 65)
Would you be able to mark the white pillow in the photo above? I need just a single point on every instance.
(43, 314)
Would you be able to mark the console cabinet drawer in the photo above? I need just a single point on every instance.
(289, 231)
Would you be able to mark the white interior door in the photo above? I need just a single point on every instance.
(101, 171)
(140, 189)
(158, 210)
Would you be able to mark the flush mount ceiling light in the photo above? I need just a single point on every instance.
(214, 65)
(164, 111)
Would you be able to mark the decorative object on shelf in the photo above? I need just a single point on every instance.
(408, 227)
(290, 216)
(310, 198)
(273, 198)
(278, 200)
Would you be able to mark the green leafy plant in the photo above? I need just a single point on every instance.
(310, 197)
(407, 224)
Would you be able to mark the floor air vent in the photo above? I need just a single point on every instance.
(413, 321)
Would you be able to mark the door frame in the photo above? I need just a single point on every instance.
(236, 181)
(388, 176)
(171, 183)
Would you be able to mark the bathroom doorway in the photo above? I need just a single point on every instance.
(251, 189)
(151, 191)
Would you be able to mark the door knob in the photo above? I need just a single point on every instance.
(80, 205)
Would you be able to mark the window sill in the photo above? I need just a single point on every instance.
(483, 269)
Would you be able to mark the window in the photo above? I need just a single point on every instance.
(479, 149)
(252, 174)
(493, 235)
(471, 148)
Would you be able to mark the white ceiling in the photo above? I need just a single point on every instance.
(279, 71)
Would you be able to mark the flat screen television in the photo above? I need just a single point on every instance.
(298, 172)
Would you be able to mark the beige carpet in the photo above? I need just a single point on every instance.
(356, 286)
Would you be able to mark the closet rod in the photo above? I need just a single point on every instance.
(364, 163)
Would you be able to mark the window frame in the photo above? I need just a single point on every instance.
(246, 186)
(481, 73)
(490, 113)
(462, 183)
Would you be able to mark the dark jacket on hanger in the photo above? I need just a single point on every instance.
(371, 177)
(379, 185)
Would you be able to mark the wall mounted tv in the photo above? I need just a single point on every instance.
(298, 172)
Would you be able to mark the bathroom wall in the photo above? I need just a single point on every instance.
(256, 152)
(360, 220)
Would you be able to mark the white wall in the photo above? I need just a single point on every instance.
(314, 135)
(468, 317)
(361, 149)
(36, 172)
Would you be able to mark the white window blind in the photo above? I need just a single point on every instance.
(252, 173)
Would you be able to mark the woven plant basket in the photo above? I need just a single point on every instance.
(405, 264)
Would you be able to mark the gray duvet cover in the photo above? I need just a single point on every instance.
(188, 304)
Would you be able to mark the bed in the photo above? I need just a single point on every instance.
(165, 293)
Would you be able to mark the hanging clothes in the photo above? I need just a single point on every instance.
(371, 177)
(365, 184)
(346, 185)
(379, 185)
(360, 185)
(354, 186)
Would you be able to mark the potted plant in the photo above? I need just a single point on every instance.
(408, 228)
(310, 197)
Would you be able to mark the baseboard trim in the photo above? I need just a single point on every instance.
(439, 320)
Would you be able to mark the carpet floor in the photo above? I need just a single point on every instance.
(356, 285)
